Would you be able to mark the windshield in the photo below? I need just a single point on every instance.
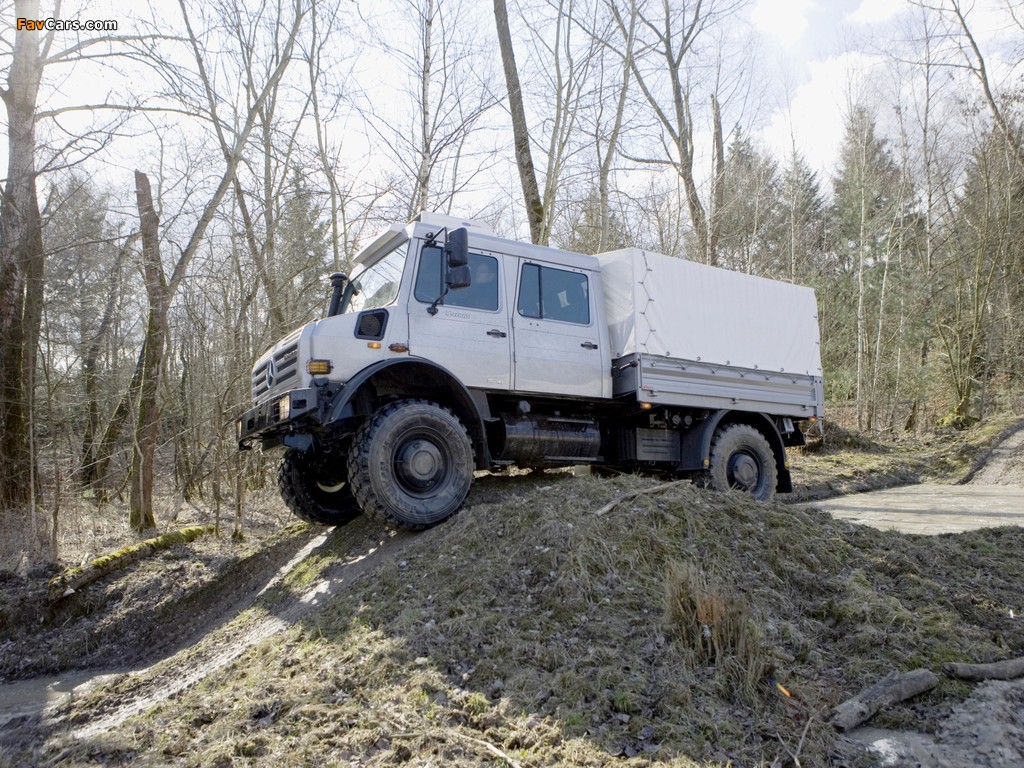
(377, 285)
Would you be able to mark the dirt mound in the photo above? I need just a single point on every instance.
(552, 628)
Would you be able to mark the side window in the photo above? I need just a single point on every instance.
(554, 294)
(428, 279)
(482, 293)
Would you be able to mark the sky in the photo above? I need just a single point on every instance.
(816, 44)
(810, 53)
(820, 47)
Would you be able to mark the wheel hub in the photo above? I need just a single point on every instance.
(419, 465)
(744, 471)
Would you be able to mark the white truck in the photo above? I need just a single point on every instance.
(451, 350)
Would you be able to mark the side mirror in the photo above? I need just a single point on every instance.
(456, 249)
(459, 277)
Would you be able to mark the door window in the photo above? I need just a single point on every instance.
(554, 294)
(482, 293)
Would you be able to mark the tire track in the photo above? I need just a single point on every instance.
(367, 546)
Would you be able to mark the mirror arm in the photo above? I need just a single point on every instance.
(432, 236)
(432, 309)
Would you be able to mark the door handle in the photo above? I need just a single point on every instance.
(588, 345)
(497, 333)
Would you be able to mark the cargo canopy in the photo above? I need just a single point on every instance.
(669, 307)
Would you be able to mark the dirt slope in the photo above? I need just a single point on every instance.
(532, 631)
(1004, 465)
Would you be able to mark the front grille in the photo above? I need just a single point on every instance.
(277, 373)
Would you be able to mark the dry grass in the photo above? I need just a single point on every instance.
(530, 631)
(715, 623)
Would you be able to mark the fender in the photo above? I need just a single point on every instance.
(412, 377)
(696, 443)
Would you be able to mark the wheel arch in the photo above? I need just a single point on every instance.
(696, 448)
(411, 377)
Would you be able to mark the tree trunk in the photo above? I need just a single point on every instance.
(521, 135)
(147, 426)
(21, 265)
(718, 188)
(421, 194)
(89, 473)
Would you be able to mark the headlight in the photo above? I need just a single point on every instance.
(284, 408)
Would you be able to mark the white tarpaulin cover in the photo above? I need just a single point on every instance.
(659, 305)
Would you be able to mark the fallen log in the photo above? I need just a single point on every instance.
(70, 581)
(1008, 669)
(890, 689)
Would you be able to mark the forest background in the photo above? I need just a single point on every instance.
(182, 177)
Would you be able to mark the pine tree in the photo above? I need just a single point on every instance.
(867, 202)
(751, 218)
(803, 212)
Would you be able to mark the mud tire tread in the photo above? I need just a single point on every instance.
(294, 477)
(376, 490)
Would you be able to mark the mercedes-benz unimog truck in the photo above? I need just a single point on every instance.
(450, 350)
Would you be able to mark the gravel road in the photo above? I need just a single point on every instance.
(987, 730)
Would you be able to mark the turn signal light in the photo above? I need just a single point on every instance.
(319, 367)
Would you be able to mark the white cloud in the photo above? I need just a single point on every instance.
(784, 19)
(874, 11)
(814, 120)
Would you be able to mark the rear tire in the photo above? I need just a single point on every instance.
(411, 464)
(312, 488)
(742, 459)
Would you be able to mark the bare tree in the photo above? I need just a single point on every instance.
(976, 64)
(535, 213)
(445, 94)
(667, 53)
(21, 260)
(607, 134)
(161, 288)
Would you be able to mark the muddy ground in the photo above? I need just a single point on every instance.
(184, 611)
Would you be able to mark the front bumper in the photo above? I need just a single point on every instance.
(275, 418)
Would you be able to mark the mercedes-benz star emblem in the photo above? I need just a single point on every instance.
(271, 373)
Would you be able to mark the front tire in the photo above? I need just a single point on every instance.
(411, 464)
(316, 490)
(742, 459)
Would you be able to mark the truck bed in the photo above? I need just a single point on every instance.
(688, 334)
(668, 381)
(681, 310)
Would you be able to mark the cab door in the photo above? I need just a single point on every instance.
(556, 336)
(469, 333)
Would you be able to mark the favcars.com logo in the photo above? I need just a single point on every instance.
(67, 25)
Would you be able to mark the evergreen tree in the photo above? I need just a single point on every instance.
(982, 287)
(83, 287)
(751, 217)
(303, 254)
(582, 231)
(802, 209)
(868, 200)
